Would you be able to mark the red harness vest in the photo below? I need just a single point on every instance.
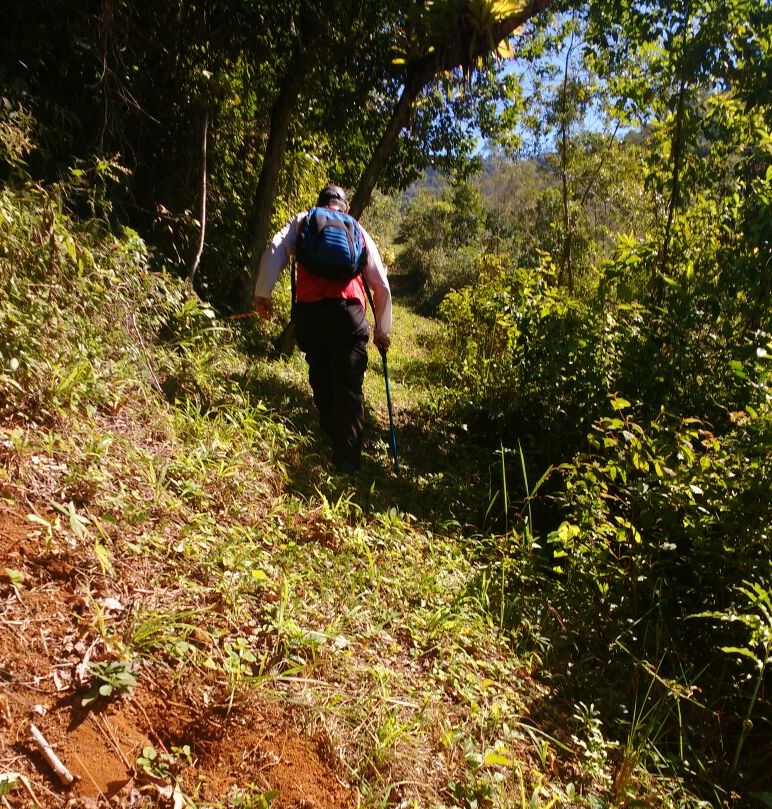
(311, 288)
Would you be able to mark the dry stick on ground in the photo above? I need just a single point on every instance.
(64, 775)
(82, 667)
(28, 787)
(89, 776)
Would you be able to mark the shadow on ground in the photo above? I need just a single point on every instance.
(442, 477)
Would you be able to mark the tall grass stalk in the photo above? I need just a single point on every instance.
(506, 533)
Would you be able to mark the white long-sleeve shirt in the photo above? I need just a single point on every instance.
(282, 247)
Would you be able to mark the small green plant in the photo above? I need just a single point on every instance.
(239, 658)
(113, 678)
(472, 794)
(8, 782)
(388, 735)
(758, 647)
(540, 797)
(485, 772)
(13, 576)
(168, 631)
(155, 764)
(592, 743)
(48, 528)
(162, 765)
(251, 797)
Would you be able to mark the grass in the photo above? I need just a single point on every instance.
(196, 477)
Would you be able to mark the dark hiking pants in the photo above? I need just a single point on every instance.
(333, 335)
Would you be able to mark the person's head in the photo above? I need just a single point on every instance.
(333, 196)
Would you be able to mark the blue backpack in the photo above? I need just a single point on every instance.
(331, 245)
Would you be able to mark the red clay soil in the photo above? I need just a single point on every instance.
(46, 633)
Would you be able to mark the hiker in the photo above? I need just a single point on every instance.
(329, 312)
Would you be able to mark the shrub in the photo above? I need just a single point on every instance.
(663, 522)
(441, 238)
(81, 317)
(529, 361)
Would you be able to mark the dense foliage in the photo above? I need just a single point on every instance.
(604, 306)
(634, 384)
(227, 118)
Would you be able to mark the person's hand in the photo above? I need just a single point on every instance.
(382, 343)
(264, 307)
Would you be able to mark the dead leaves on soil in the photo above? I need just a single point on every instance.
(49, 633)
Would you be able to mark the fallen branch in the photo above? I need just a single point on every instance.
(64, 775)
(81, 670)
(103, 726)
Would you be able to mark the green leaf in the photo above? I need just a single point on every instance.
(737, 369)
(736, 650)
(618, 403)
(8, 782)
(15, 577)
(496, 759)
(103, 557)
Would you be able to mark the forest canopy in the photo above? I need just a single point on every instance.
(265, 102)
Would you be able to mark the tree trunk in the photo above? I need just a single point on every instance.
(566, 268)
(414, 83)
(675, 188)
(262, 204)
(676, 151)
(419, 74)
(202, 216)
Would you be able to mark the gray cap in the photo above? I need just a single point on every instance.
(332, 193)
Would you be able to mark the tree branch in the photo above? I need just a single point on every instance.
(419, 73)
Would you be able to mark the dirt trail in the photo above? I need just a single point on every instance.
(47, 632)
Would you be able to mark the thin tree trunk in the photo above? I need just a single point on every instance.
(106, 21)
(262, 205)
(677, 149)
(202, 215)
(591, 183)
(675, 190)
(419, 75)
(281, 115)
(566, 268)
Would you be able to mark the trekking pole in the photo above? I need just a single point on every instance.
(388, 404)
(382, 352)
